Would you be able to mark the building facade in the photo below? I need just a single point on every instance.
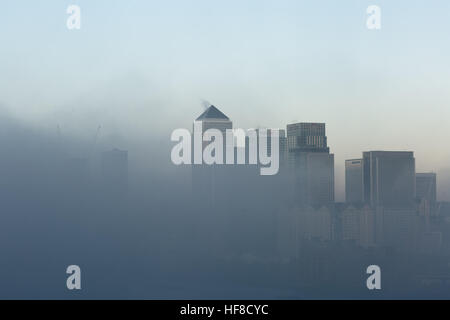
(311, 164)
(354, 181)
(389, 178)
(426, 187)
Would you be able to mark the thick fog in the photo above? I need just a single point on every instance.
(156, 233)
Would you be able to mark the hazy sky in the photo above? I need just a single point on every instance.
(140, 67)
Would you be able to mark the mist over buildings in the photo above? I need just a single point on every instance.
(86, 176)
(115, 205)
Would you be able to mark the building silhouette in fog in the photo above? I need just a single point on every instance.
(207, 178)
(115, 170)
(311, 164)
(354, 181)
(426, 194)
(213, 118)
(307, 137)
(389, 178)
(426, 187)
(381, 178)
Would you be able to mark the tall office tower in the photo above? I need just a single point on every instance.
(307, 137)
(213, 118)
(205, 177)
(389, 178)
(426, 187)
(354, 181)
(311, 164)
(426, 194)
(320, 171)
(115, 170)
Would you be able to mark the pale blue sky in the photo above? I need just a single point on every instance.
(261, 62)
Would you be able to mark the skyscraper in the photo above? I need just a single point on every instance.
(320, 181)
(389, 178)
(426, 193)
(213, 118)
(307, 137)
(205, 177)
(426, 187)
(311, 164)
(354, 181)
(385, 182)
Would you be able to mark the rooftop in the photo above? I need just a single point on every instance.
(212, 113)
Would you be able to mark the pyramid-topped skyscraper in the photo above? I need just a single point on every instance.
(212, 113)
(204, 177)
(213, 118)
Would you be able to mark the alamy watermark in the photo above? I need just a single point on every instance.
(374, 280)
(374, 19)
(74, 280)
(74, 20)
(208, 147)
